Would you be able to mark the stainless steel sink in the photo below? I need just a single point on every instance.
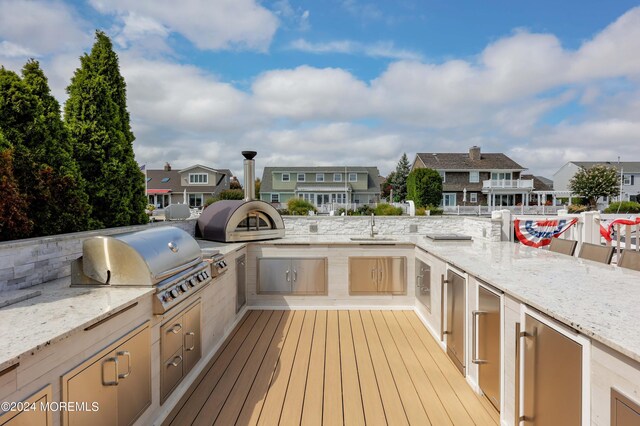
(372, 239)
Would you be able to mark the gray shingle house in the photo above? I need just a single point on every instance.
(197, 183)
(323, 186)
(487, 178)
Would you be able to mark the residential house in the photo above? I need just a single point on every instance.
(194, 184)
(477, 178)
(325, 187)
(630, 171)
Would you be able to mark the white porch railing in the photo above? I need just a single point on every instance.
(507, 184)
(486, 210)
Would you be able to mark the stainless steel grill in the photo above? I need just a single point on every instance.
(166, 258)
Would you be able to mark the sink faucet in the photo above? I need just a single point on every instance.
(373, 223)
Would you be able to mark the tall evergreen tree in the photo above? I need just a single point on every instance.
(14, 222)
(96, 114)
(45, 173)
(399, 183)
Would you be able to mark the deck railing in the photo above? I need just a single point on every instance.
(507, 184)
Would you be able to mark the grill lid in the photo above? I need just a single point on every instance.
(139, 258)
(236, 220)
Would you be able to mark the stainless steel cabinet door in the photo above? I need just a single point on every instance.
(134, 377)
(274, 275)
(487, 351)
(191, 338)
(309, 276)
(552, 376)
(363, 275)
(456, 301)
(241, 282)
(391, 275)
(423, 284)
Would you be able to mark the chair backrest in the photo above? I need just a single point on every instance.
(596, 252)
(563, 246)
(630, 259)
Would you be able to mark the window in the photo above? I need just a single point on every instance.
(443, 174)
(275, 198)
(473, 197)
(196, 200)
(165, 180)
(285, 177)
(300, 177)
(148, 179)
(474, 177)
(353, 177)
(319, 177)
(337, 177)
(501, 176)
(198, 178)
(449, 199)
(626, 180)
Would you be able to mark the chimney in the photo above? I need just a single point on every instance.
(474, 153)
(167, 167)
(249, 174)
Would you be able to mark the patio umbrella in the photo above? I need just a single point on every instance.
(184, 196)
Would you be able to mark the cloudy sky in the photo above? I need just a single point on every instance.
(353, 81)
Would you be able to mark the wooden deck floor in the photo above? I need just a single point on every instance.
(331, 368)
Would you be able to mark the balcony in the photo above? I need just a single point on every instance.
(508, 184)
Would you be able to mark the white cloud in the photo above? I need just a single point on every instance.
(383, 49)
(40, 27)
(219, 24)
(12, 50)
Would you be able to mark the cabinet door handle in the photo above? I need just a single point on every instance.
(176, 361)
(373, 274)
(115, 364)
(295, 275)
(176, 328)
(474, 337)
(522, 417)
(442, 330)
(286, 274)
(128, 355)
(193, 346)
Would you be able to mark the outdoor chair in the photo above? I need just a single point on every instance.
(630, 259)
(596, 252)
(567, 247)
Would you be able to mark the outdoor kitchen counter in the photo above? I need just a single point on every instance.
(600, 301)
(56, 313)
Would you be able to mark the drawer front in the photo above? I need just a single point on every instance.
(172, 373)
(171, 337)
(192, 347)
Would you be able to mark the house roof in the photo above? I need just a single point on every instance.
(202, 167)
(627, 166)
(462, 161)
(540, 183)
(266, 184)
(174, 185)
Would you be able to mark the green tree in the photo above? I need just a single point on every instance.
(45, 173)
(399, 183)
(257, 189)
(96, 114)
(424, 187)
(14, 222)
(387, 185)
(598, 181)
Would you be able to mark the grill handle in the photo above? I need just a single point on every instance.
(174, 271)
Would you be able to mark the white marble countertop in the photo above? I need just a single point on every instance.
(59, 311)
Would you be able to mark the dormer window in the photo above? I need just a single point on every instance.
(319, 177)
(353, 177)
(199, 178)
(286, 177)
(337, 177)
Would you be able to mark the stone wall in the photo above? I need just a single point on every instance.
(480, 228)
(25, 263)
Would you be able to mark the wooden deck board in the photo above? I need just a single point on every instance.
(336, 367)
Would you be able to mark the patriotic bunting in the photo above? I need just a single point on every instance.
(538, 233)
(606, 227)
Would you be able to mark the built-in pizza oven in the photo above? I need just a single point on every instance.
(241, 220)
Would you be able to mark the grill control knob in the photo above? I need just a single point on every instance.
(199, 277)
(206, 274)
(190, 282)
(183, 287)
(166, 296)
(174, 293)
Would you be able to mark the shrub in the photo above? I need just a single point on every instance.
(210, 201)
(424, 187)
(387, 210)
(231, 194)
(623, 207)
(574, 208)
(298, 206)
(435, 211)
(365, 210)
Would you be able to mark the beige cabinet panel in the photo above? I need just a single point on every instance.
(363, 277)
(624, 411)
(134, 377)
(95, 383)
(32, 417)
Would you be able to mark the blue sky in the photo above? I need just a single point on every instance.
(353, 81)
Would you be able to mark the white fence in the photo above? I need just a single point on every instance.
(486, 210)
(587, 229)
